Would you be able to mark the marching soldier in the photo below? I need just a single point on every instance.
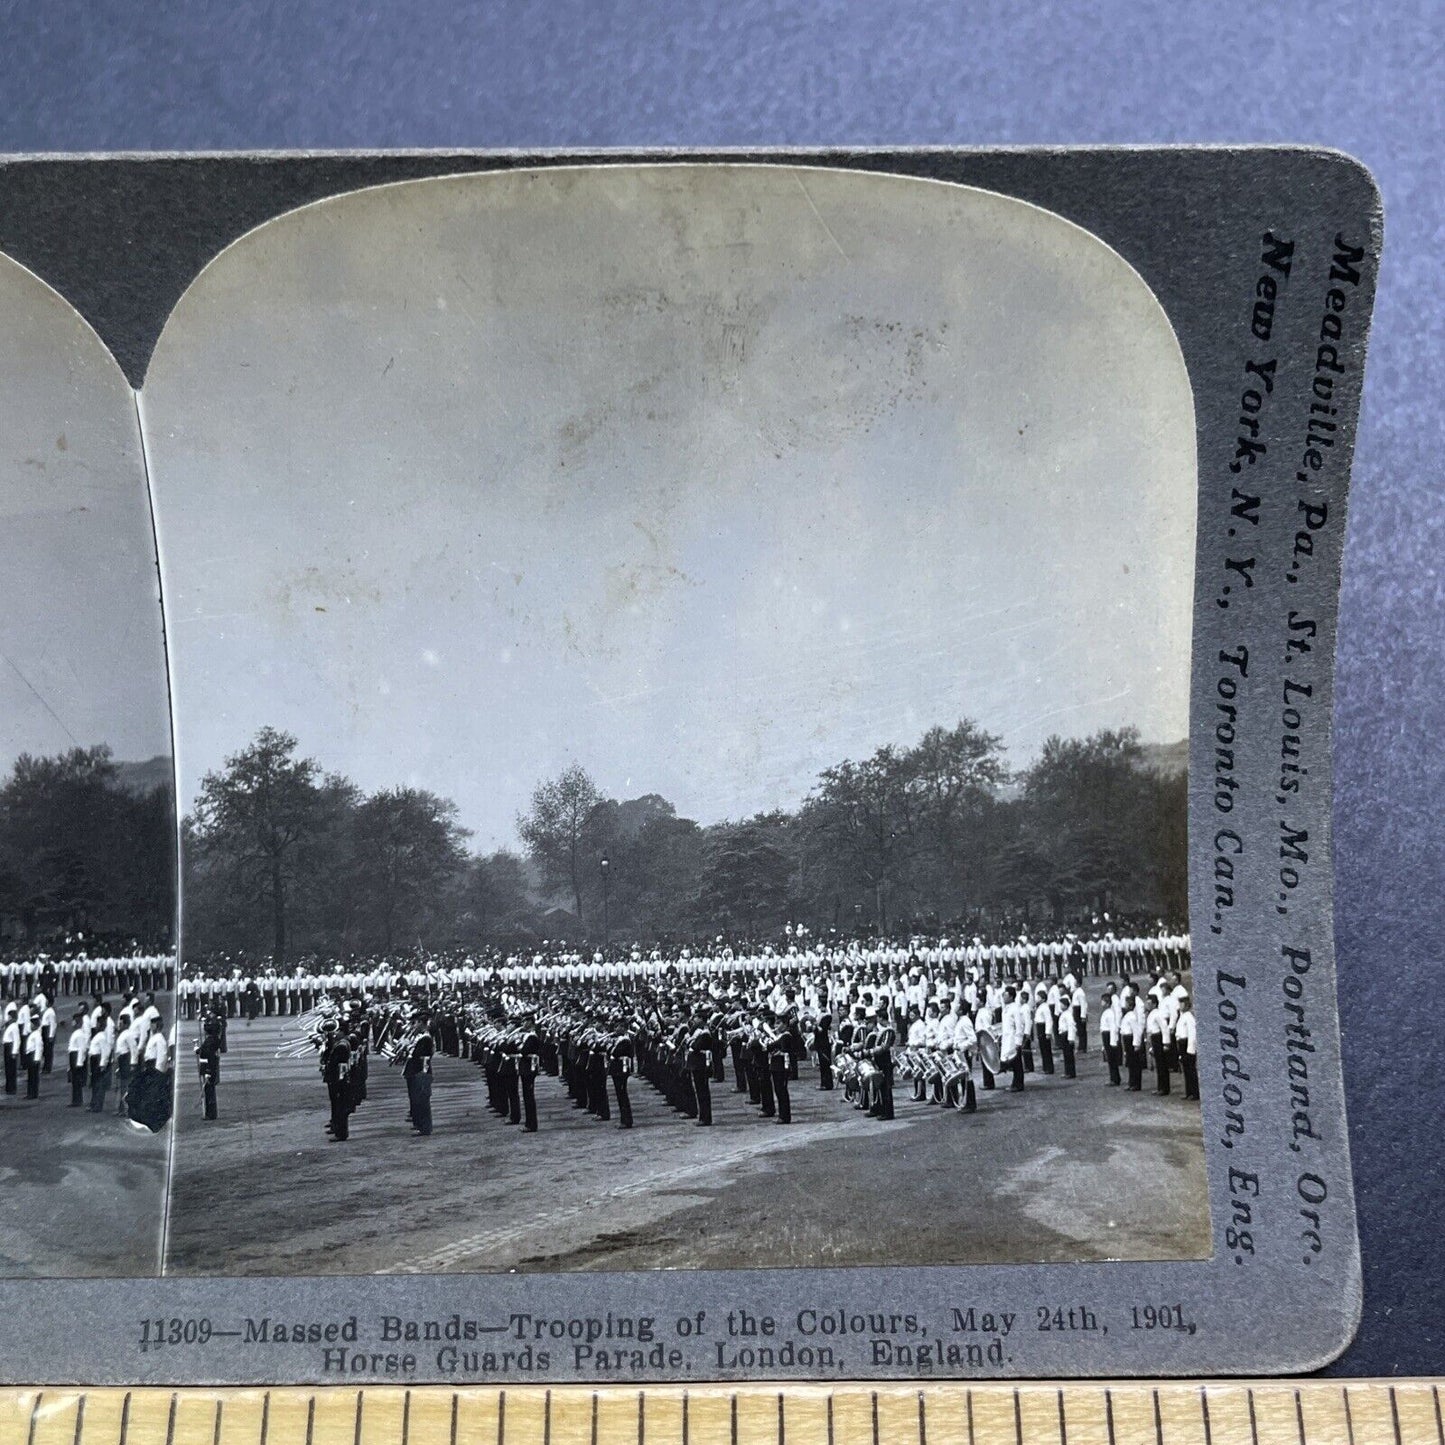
(880, 1050)
(1043, 1020)
(102, 1044)
(1109, 1028)
(1134, 1056)
(34, 1061)
(1015, 1030)
(13, 1044)
(621, 1059)
(150, 1101)
(1079, 1001)
(360, 1069)
(737, 1038)
(1068, 1038)
(1186, 1039)
(780, 1057)
(596, 1064)
(335, 1071)
(823, 1047)
(529, 1065)
(208, 1066)
(49, 1027)
(700, 1047)
(758, 1070)
(417, 1071)
(77, 1050)
(958, 1088)
(1157, 1028)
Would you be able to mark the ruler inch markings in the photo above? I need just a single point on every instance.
(1173, 1412)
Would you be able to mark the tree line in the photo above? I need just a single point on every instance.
(87, 846)
(282, 857)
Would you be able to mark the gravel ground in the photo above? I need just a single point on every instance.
(80, 1193)
(1070, 1170)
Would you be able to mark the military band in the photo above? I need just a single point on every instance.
(867, 1015)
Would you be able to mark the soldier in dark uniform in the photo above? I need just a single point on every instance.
(359, 1066)
(335, 1070)
(700, 1048)
(880, 1046)
(208, 1064)
(417, 1073)
(596, 1065)
(736, 1036)
(780, 1058)
(529, 1065)
(848, 1031)
(823, 1048)
(716, 1027)
(511, 1075)
(758, 1068)
(620, 1061)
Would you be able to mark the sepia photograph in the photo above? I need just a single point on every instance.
(681, 688)
(87, 819)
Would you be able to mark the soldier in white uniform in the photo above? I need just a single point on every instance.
(34, 1061)
(1110, 1024)
(101, 1048)
(1186, 1039)
(1015, 1024)
(77, 1050)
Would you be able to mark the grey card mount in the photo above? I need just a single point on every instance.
(673, 766)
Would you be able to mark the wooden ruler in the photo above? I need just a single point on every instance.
(1266, 1412)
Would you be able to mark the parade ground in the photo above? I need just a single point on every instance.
(81, 1194)
(1069, 1170)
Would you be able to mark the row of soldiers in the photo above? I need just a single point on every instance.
(1007, 1026)
(679, 1036)
(137, 970)
(124, 1048)
(245, 989)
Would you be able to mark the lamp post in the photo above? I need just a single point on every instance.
(606, 918)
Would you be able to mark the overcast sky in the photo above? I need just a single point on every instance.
(705, 478)
(81, 653)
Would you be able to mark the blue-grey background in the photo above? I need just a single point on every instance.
(1369, 79)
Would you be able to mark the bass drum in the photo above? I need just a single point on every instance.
(988, 1051)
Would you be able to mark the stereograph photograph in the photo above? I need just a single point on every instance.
(87, 830)
(630, 739)
(681, 692)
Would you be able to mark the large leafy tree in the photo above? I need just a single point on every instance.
(493, 898)
(254, 821)
(908, 835)
(869, 819)
(555, 827)
(1091, 812)
(407, 856)
(957, 773)
(746, 871)
(81, 849)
